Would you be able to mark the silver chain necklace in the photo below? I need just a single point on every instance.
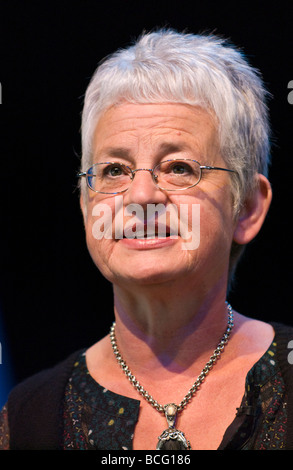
(172, 438)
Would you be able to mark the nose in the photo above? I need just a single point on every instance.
(143, 189)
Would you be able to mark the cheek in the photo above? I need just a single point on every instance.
(95, 247)
(101, 253)
(215, 218)
(98, 228)
(217, 231)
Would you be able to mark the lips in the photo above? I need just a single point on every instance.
(147, 231)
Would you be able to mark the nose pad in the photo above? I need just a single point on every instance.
(143, 191)
(150, 170)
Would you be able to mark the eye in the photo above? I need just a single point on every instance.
(114, 170)
(180, 168)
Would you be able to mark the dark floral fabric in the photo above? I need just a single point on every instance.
(4, 429)
(273, 417)
(260, 422)
(96, 418)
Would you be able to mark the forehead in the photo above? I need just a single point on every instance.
(129, 124)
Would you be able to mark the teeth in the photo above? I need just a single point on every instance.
(149, 235)
(142, 233)
(143, 236)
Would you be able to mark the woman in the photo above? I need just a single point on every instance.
(175, 147)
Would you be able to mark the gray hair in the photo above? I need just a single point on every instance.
(200, 70)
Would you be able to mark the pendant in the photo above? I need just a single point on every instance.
(172, 438)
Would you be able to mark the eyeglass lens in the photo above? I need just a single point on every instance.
(112, 177)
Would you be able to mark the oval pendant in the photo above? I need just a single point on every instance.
(172, 438)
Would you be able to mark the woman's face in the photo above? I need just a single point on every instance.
(141, 136)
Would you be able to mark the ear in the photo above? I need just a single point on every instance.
(253, 212)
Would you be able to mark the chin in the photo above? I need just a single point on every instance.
(148, 272)
(134, 263)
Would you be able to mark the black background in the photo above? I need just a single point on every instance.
(52, 298)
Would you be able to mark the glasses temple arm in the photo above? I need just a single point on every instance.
(207, 167)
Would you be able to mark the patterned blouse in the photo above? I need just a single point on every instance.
(96, 418)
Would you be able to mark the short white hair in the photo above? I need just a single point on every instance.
(202, 70)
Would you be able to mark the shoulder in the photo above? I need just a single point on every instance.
(254, 337)
(284, 344)
(251, 336)
(283, 332)
(56, 374)
(37, 401)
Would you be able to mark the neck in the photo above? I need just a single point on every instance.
(156, 331)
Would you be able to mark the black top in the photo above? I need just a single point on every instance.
(64, 408)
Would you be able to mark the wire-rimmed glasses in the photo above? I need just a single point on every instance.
(168, 175)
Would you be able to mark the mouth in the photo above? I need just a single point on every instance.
(143, 232)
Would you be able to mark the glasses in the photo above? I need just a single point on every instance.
(169, 175)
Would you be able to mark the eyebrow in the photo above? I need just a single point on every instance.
(117, 152)
(166, 148)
